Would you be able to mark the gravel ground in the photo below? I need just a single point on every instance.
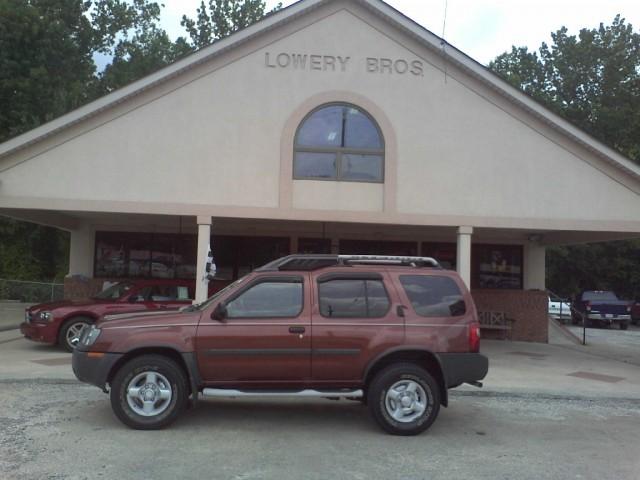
(65, 430)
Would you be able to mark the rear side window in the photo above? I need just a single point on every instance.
(433, 296)
(353, 298)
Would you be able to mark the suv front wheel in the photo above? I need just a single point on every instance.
(404, 399)
(149, 392)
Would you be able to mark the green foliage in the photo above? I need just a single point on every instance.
(592, 79)
(599, 266)
(32, 252)
(221, 18)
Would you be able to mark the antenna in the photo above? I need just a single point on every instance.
(443, 43)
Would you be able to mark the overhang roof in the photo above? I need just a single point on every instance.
(379, 8)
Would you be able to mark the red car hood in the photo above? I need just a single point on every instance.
(69, 303)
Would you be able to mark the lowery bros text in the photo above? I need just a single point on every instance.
(337, 63)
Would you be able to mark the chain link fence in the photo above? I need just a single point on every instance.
(30, 292)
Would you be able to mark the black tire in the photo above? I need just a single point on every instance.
(163, 366)
(387, 378)
(65, 332)
(624, 325)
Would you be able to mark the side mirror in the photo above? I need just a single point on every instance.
(220, 312)
(132, 299)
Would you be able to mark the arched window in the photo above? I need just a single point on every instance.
(339, 141)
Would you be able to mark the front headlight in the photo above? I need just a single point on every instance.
(46, 316)
(89, 335)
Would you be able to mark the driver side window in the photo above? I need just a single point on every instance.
(268, 299)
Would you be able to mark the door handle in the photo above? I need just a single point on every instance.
(400, 310)
(296, 329)
(162, 306)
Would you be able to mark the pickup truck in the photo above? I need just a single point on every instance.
(559, 310)
(601, 308)
(635, 313)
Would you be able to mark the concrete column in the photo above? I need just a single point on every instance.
(293, 244)
(534, 266)
(464, 254)
(81, 251)
(204, 237)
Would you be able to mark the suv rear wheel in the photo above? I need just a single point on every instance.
(404, 399)
(149, 392)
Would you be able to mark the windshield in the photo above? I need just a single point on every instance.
(599, 296)
(114, 291)
(215, 296)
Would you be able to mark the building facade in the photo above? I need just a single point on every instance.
(331, 126)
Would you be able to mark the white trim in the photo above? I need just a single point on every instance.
(380, 8)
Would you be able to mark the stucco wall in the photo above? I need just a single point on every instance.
(214, 137)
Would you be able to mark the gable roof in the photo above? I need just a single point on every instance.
(379, 8)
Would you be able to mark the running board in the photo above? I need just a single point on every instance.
(227, 392)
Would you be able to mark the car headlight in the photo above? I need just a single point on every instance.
(89, 335)
(46, 316)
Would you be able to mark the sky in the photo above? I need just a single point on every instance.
(482, 29)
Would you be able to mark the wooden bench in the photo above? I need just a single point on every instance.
(497, 321)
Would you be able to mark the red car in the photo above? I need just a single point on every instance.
(61, 322)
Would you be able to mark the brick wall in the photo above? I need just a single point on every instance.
(527, 307)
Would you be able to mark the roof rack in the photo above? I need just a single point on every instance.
(389, 260)
(315, 262)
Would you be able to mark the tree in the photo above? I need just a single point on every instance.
(593, 80)
(46, 54)
(222, 18)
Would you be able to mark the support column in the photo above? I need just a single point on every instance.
(464, 254)
(204, 237)
(534, 267)
(81, 251)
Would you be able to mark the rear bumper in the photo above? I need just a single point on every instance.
(40, 332)
(95, 369)
(602, 318)
(461, 368)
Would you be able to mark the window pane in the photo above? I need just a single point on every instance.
(433, 296)
(377, 298)
(110, 255)
(164, 293)
(314, 245)
(322, 129)
(314, 165)
(342, 299)
(498, 266)
(377, 247)
(361, 167)
(268, 300)
(163, 257)
(140, 254)
(359, 130)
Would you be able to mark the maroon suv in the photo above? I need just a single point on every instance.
(61, 322)
(393, 332)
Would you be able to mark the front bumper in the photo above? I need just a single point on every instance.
(94, 367)
(40, 332)
(603, 318)
(459, 368)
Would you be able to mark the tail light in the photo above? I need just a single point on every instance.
(588, 306)
(474, 337)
